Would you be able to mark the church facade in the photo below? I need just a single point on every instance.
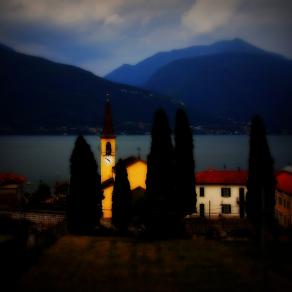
(136, 167)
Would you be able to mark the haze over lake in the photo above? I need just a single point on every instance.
(47, 157)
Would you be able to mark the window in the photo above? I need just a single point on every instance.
(225, 192)
(108, 148)
(280, 200)
(226, 209)
(202, 192)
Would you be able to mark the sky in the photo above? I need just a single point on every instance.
(100, 35)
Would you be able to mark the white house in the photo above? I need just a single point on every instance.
(221, 193)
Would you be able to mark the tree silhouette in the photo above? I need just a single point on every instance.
(161, 211)
(39, 197)
(184, 164)
(122, 198)
(261, 179)
(84, 208)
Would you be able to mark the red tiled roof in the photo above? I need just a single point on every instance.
(11, 178)
(221, 177)
(284, 182)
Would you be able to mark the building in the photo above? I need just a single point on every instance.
(11, 191)
(283, 197)
(136, 167)
(221, 193)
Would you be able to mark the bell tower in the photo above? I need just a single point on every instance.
(107, 145)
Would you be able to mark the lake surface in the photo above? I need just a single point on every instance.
(47, 157)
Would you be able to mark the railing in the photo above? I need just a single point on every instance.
(41, 218)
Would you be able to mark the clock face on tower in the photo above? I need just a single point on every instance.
(108, 159)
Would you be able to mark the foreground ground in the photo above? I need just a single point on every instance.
(81, 263)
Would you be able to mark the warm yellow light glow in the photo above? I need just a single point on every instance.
(137, 178)
(107, 202)
(106, 165)
(137, 174)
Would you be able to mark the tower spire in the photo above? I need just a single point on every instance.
(108, 130)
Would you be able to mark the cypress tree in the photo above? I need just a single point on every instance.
(160, 210)
(122, 198)
(185, 165)
(84, 208)
(261, 179)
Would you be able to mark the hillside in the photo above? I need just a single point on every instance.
(140, 73)
(38, 95)
(220, 90)
(231, 85)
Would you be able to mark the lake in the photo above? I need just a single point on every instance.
(47, 157)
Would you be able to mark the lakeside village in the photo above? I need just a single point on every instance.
(140, 128)
(220, 209)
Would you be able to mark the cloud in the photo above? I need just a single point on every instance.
(207, 15)
(102, 34)
(59, 12)
(92, 20)
(114, 19)
(84, 12)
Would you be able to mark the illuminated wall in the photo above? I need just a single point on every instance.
(137, 178)
(107, 164)
(213, 200)
(107, 202)
(137, 174)
(283, 208)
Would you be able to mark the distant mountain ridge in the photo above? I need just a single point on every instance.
(221, 88)
(6, 48)
(40, 94)
(140, 73)
(224, 83)
(231, 85)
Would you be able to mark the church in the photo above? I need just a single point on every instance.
(136, 167)
(219, 192)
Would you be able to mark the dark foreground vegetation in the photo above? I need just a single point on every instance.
(21, 244)
(83, 263)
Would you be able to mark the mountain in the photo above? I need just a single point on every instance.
(140, 73)
(231, 85)
(5, 48)
(38, 94)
